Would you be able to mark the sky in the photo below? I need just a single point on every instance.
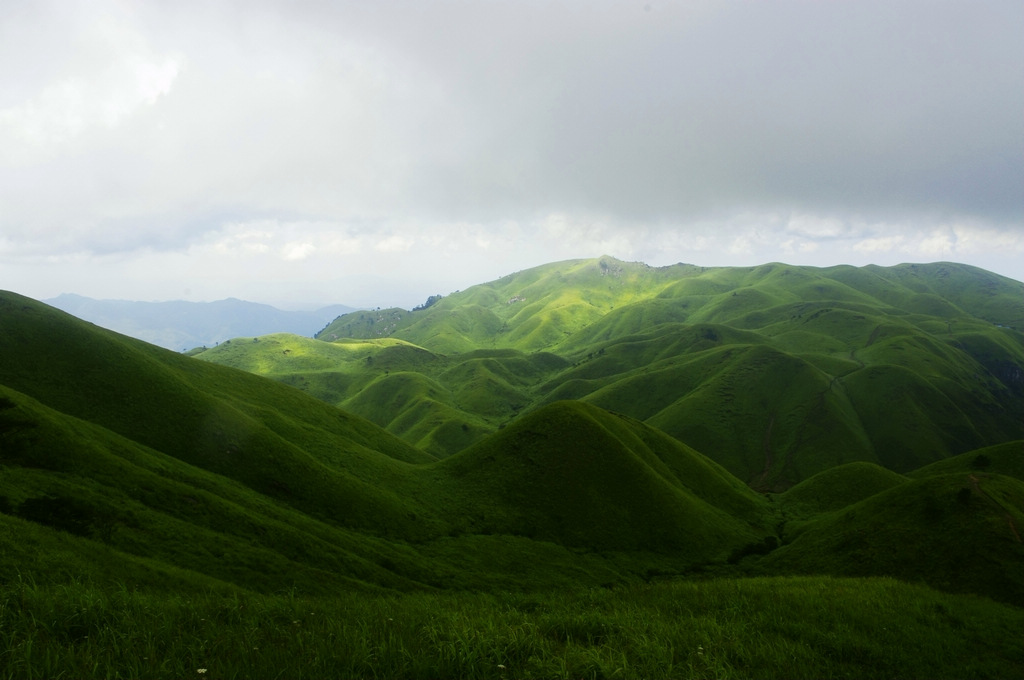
(375, 153)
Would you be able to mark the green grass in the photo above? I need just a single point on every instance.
(578, 476)
(838, 487)
(71, 488)
(161, 514)
(766, 628)
(956, 532)
(940, 346)
(1003, 459)
(231, 477)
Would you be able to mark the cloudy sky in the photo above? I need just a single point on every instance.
(374, 153)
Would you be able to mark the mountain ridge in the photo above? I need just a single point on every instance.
(775, 371)
(181, 325)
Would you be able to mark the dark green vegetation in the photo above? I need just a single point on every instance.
(765, 627)
(531, 502)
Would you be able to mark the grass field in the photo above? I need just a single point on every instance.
(808, 627)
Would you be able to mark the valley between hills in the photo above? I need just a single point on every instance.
(592, 468)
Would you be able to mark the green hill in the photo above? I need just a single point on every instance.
(1003, 459)
(839, 487)
(79, 500)
(532, 310)
(270, 437)
(153, 458)
(955, 532)
(576, 475)
(161, 514)
(777, 372)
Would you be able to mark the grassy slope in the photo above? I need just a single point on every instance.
(576, 475)
(839, 487)
(531, 310)
(144, 514)
(951, 525)
(206, 468)
(267, 436)
(124, 463)
(1003, 459)
(766, 628)
(439, 404)
(685, 349)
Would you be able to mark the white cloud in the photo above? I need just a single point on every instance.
(937, 245)
(395, 243)
(815, 227)
(154, 79)
(740, 245)
(881, 244)
(973, 239)
(298, 251)
(256, 146)
(341, 245)
(111, 72)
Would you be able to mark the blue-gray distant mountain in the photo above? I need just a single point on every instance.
(181, 325)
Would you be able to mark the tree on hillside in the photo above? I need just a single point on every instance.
(432, 300)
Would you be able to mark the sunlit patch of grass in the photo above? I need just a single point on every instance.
(873, 341)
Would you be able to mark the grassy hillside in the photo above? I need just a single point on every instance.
(1003, 459)
(839, 487)
(968, 527)
(213, 471)
(576, 475)
(950, 524)
(272, 438)
(776, 372)
(161, 515)
(530, 310)
(139, 515)
(439, 404)
(132, 448)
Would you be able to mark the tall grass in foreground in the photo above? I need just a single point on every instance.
(765, 627)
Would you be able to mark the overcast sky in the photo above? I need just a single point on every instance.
(375, 153)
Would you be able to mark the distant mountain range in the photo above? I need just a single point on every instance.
(181, 325)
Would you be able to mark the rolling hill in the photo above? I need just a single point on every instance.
(129, 448)
(957, 531)
(161, 514)
(208, 469)
(776, 372)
